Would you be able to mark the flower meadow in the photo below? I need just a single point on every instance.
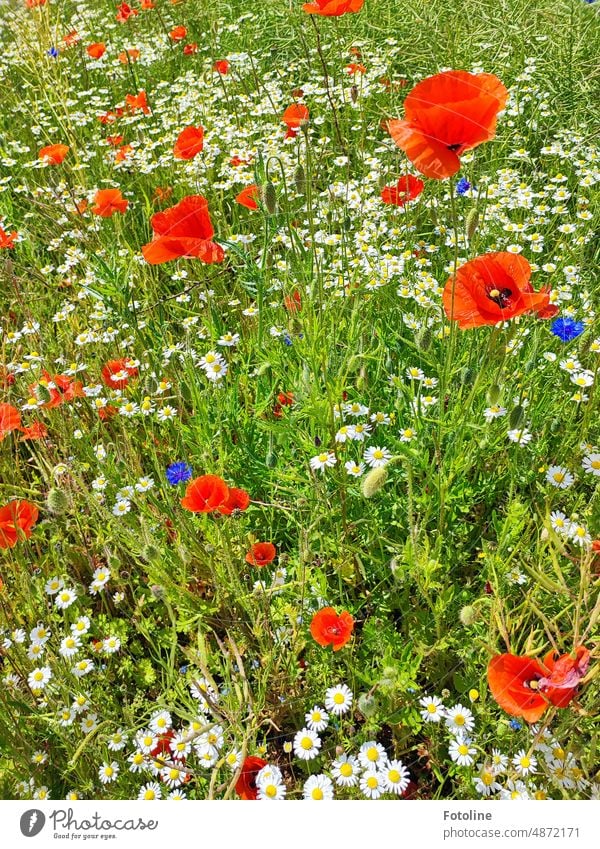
(299, 421)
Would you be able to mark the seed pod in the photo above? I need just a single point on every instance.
(494, 393)
(300, 179)
(374, 481)
(517, 416)
(354, 93)
(269, 197)
(471, 223)
(57, 502)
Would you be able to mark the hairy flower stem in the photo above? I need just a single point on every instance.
(334, 111)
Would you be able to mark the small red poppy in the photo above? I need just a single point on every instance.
(261, 554)
(238, 499)
(10, 419)
(248, 197)
(329, 629)
(332, 8)
(54, 154)
(16, 518)
(407, 188)
(189, 143)
(205, 494)
(221, 66)
(116, 373)
(107, 202)
(178, 33)
(96, 50)
(246, 783)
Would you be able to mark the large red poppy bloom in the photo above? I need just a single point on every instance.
(116, 373)
(205, 494)
(10, 419)
(237, 500)
(109, 201)
(183, 230)
(189, 143)
(16, 518)
(444, 116)
(524, 686)
(407, 188)
(333, 8)
(54, 154)
(261, 554)
(329, 629)
(246, 783)
(492, 288)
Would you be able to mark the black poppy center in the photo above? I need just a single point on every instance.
(455, 147)
(499, 296)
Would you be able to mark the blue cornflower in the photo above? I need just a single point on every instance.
(178, 473)
(567, 328)
(463, 186)
(287, 340)
(515, 725)
(53, 52)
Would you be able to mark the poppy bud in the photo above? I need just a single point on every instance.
(466, 376)
(42, 393)
(300, 179)
(158, 591)
(468, 615)
(424, 339)
(494, 393)
(57, 501)
(471, 223)
(434, 218)
(271, 460)
(517, 416)
(269, 197)
(555, 425)
(374, 481)
(354, 93)
(150, 553)
(362, 381)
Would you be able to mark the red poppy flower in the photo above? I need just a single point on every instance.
(138, 101)
(295, 116)
(492, 288)
(261, 553)
(238, 499)
(205, 494)
(246, 783)
(7, 240)
(524, 686)
(147, 4)
(183, 230)
(189, 143)
(96, 50)
(445, 115)
(124, 12)
(37, 430)
(163, 746)
(178, 33)
(10, 419)
(107, 413)
(16, 518)
(329, 629)
(61, 388)
(71, 38)
(109, 201)
(129, 55)
(190, 49)
(54, 154)
(408, 188)
(115, 141)
(293, 302)
(123, 152)
(222, 66)
(249, 196)
(356, 68)
(116, 373)
(333, 8)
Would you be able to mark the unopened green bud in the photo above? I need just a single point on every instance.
(269, 197)
(57, 502)
(468, 615)
(494, 393)
(300, 179)
(424, 339)
(517, 416)
(471, 223)
(271, 460)
(367, 704)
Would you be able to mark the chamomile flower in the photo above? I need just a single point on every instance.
(38, 678)
(432, 708)
(461, 751)
(459, 719)
(371, 755)
(82, 667)
(591, 464)
(108, 772)
(69, 646)
(161, 722)
(338, 700)
(395, 777)
(376, 457)
(306, 744)
(485, 783)
(355, 470)
(346, 771)
(172, 776)
(317, 719)
(117, 740)
(65, 598)
(372, 784)
(318, 788)
(323, 461)
(150, 792)
(524, 763)
(559, 477)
